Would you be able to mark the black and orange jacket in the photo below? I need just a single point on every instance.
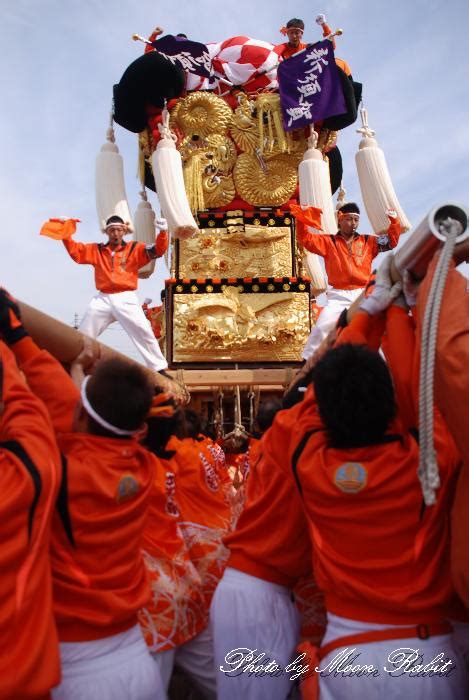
(30, 468)
(99, 578)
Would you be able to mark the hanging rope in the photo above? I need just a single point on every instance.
(110, 135)
(428, 465)
(238, 416)
(251, 397)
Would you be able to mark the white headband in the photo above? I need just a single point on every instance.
(91, 412)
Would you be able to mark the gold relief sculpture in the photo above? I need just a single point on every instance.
(218, 190)
(208, 162)
(218, 151)
(201, 113)
(244, 128)
(257, 128)
(327, 140)
(237, 327)
(145, 149)
(248, 251)
(272, 185)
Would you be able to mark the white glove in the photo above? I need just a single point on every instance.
(384, 292)
(161, 225)
(321, 19)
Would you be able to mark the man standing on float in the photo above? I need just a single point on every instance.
(348, 257)
(116, 265)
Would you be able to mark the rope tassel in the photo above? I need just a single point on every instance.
(169, 179)
(144, 221)
(315, 191)
(375, 181)
(428, 466)
(111, 197)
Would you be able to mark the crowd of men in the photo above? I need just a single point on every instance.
(129, 548)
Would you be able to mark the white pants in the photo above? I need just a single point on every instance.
(392, 685)
(337, 301)
(114, 668)
(253, 615)
(195, 657)
(125, 308)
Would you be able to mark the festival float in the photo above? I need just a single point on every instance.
(231, 138)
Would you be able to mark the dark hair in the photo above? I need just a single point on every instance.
(193, 423)
(349, 208)
(295, 22)
(182, 36)
(266, 413)
(355, 395)
(121, 393)
(161, 428)
(114, 220)
(296, 393)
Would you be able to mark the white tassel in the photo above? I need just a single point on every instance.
(315, 191)
(111, 198)
(375, 181)
(169, 180)
(144, 221)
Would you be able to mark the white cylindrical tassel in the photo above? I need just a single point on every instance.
(111, 197)
(144, 222)
(315, 187)
(315, 191)
(375, 181)
(169, 179)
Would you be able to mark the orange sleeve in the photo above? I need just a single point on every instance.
(161, 243)
(451, 396)
(452, 353)
(271, 540)
(393, 232)
(360, 330)
(81, 253)
(142, 254)
(344, 65)
(30, 464)
(399, 349)
(49, 381)
(318, 243)
(24, 417)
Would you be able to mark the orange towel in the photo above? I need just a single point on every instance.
(59, 229)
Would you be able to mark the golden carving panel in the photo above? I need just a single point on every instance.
(256, 251)
(236, 327)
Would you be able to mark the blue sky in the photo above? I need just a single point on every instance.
(61, 58)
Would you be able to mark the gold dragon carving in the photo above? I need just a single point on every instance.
(235, 326)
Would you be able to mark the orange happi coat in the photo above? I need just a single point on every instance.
(348, 264)
(363, 502)
(99, 578)
(176, 611)
(30, 467)
(114, 270)
(205, 506)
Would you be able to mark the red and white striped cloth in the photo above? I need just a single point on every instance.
(242, 61)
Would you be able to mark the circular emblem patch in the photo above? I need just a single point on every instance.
(351, 477)
(127, 488)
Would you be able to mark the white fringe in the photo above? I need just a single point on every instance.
(315, 191)
(169, 179)
(111, 198)
(144, 221)
(376, 187)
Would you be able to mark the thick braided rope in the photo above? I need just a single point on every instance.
(428, 466)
